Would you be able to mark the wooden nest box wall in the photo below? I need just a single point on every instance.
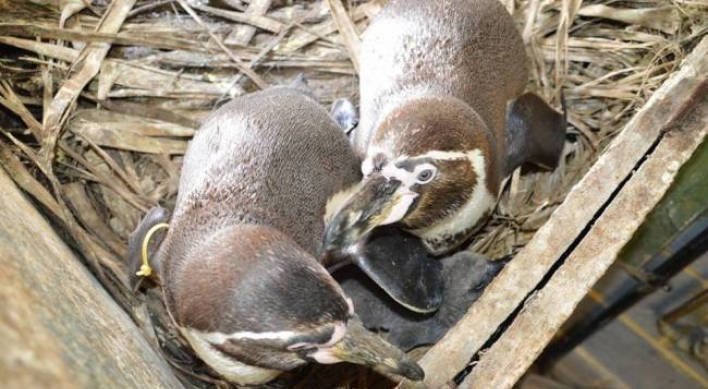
(98, 101)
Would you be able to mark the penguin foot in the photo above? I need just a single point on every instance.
(144, 243)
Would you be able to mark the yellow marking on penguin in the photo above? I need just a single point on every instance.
(145, 269)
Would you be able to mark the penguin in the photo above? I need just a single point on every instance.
(238, 264)
(444, 119)
(465, 276)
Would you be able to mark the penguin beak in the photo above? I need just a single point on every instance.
(362, 347)
(379, 201)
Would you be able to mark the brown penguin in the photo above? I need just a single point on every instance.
(443, 121)
(237, 265)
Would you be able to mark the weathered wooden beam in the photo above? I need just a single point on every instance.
(671, 238)
(686, 201)
(588, 219)
(58, 327)
(504, 363)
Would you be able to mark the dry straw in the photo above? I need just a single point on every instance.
(100, 98)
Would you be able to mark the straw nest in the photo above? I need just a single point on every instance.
(99, 99)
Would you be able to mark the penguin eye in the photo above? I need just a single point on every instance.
(426, 175)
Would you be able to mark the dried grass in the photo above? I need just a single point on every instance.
(99, 100)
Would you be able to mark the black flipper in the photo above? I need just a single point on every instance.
(401, 266)
(344, 113)
(134, 258)
(465, 275)
(535, 133)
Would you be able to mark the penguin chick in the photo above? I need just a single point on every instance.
(443, 120)
(237, 265)
(465, 276)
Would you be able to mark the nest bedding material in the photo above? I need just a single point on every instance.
(99, 100)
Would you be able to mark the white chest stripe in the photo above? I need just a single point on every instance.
(478, 204)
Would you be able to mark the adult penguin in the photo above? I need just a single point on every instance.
(238, 264)
(444, 119)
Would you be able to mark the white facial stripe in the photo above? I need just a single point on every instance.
(241, 373)
(478, 204)
(339, 330)
(324, 352)
(392, 172)
(218, 337)
(325, 356)
(350, 305)
(442, 155)
(230, 368)
(403, 201)
(367, 167)
(337, 201)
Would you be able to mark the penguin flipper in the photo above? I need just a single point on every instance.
(378, 312)
(155, 216)
(344, 113)
(535, 133)
(400, 264)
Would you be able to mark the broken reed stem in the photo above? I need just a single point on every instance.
(240, 65)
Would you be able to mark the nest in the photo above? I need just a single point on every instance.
(98, 101)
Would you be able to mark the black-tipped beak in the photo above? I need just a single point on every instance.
(365, 348)
(378, 201)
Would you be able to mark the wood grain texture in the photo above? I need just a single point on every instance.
(507, 360)
(522, 275)
(58, 326)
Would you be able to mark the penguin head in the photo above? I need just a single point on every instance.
(252, 303)
(427, 168)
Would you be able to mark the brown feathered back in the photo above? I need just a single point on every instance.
(254, 168)
(468, 49)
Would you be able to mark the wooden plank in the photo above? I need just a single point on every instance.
(58, 327)
(546, 311)
(588, 198)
